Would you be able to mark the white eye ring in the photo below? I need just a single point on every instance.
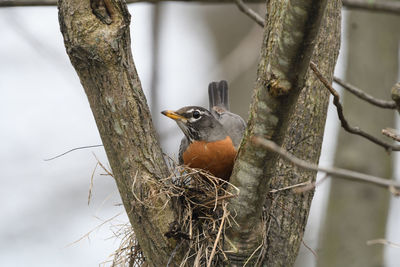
(196, 114)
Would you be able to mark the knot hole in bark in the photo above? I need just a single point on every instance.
(102, 10)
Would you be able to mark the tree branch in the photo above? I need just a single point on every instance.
(383, 241)
(361, 94)
(250, 12)
(97, 39)
(288, 45)
(391, 133)
(336, 172)
(391, 7)
(344, 123)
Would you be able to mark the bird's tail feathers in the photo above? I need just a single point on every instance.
(218, 94)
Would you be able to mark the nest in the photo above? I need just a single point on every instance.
(200, 199)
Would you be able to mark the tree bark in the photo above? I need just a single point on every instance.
(100, 50)
(285, 108)
(287, 212)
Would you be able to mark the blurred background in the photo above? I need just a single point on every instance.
(178, 49)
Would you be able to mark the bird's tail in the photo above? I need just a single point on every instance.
(218, 94)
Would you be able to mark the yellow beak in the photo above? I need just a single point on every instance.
(173, 115)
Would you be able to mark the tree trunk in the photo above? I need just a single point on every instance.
(291, 111)
(357, 212)
(288, 211)
(100, 51)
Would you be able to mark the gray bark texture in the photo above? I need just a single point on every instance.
(287, 212)
(101, 55)
(289, 107)
(358, 212)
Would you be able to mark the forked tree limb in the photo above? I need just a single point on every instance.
(345, 125)
(354, 90)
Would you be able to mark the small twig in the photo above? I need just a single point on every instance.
(97, 227)
(310, 249)
(383, 242)
(218, 199)
(345, 124)
(389, 132)
(342, 173)
(102, 166)
(91, 183)
(311, 186)
(290, 187)
(250, 12)
(252, 254)
(71, 150)
(361, 94)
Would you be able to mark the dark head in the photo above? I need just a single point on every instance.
(197, 123)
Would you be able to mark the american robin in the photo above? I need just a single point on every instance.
(212, 136)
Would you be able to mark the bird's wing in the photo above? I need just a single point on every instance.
(234, 125)
(182, 148)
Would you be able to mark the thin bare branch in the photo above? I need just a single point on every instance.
(389, 132)
(304, 184)
(383, 242)
(71, 150)
(250, 12)
(337, 172)
(311, 186)
(361, 94)
(345, 124)
(392, 7)
(310, 249)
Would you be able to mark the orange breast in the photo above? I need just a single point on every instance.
(216, 157)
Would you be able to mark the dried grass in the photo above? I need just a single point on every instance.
(200, 227)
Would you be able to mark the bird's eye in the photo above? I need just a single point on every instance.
(196, 114)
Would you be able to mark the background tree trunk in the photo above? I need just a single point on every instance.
(358, 212)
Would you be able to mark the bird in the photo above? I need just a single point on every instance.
(211, 137)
